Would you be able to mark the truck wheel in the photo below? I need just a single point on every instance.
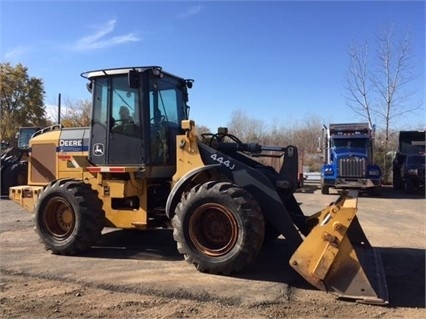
(325, 190)
(397, 183)
(218, 227)
(375, 191)
(14, 175)
(68, 217)
(409, 186)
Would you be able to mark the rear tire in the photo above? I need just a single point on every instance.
(5, 179)
(218, 227)
(68, 217)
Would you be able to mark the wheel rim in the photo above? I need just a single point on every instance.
(59, 218)
(213, 229)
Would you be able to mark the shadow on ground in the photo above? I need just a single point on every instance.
(404, 267)
(405, 275)
(404, 270)
(153, 244)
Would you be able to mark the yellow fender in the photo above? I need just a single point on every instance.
(336, 256)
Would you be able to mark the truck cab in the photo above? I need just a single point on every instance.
(348, 159)
(413, 173)
(409, 162)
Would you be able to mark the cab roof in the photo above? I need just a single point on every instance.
(124, 70)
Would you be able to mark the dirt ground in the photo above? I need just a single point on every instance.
(141, 275)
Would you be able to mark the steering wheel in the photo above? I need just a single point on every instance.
(117, 123)
(157, 119)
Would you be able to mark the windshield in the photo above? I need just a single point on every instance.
(416, 160)
(166, 101)
(4, 145)
(25, 135)
(349, 143)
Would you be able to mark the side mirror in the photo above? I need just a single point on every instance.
(89, 86)
(189, 83)
(134, 79)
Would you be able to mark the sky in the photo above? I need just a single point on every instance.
(280, 62)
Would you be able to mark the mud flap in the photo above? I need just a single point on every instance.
(336, 256)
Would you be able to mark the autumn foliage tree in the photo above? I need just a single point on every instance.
(21, 100)
(76, 113)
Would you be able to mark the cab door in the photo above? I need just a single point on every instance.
(116, 140)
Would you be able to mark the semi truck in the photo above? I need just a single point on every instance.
(409, 163)
(349, 159)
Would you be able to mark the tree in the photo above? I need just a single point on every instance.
(359, 90)
(77, 113)
(303, 135)
(377, 84)
(21, 100)
(244, 127)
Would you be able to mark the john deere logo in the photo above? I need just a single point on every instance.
(98, 149)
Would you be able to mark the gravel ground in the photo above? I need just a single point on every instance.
(141, 274)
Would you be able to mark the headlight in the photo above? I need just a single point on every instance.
(328, 171)
(412, 171)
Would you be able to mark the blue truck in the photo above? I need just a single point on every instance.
(349, 159)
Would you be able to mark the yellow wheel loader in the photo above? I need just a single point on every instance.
(142, 165)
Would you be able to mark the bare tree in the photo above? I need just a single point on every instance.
(245, 127)
(304, 135)
(376, 85)
(201, 129)
(357, 84)
(394, 72)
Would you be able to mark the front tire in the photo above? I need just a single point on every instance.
(375, 191)
(68, 217)
(325, 189)
(218, 227)
(409, 186)
(14, 175)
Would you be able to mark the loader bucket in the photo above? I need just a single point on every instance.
(336, 256)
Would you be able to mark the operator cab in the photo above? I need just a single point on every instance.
(136, 115)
